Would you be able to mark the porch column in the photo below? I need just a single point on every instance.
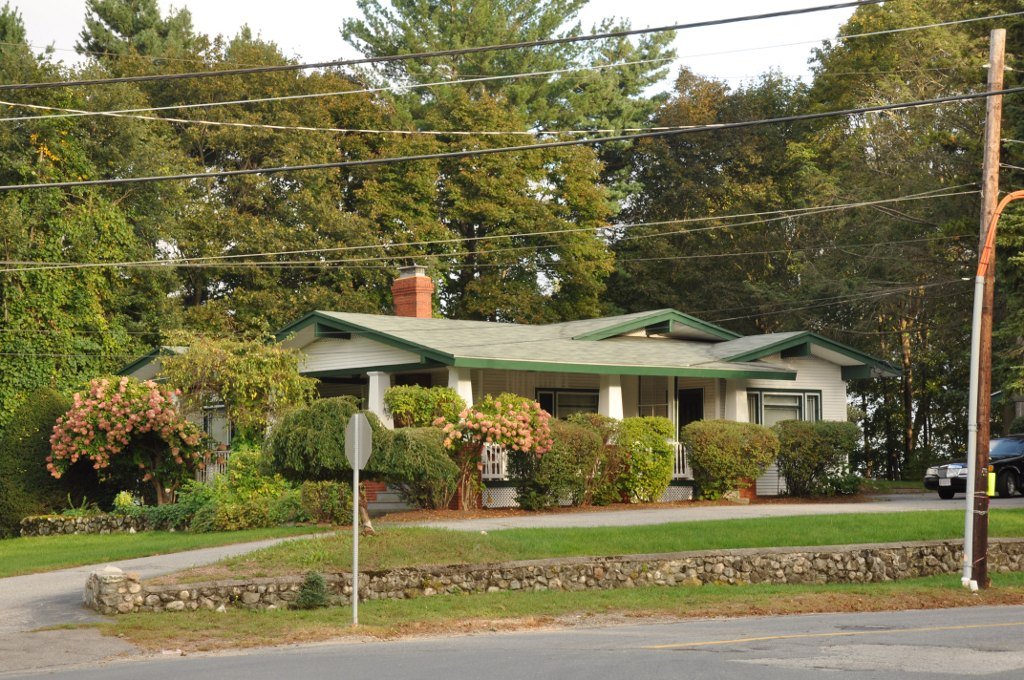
(379, 384)
(609, 400)
(736, 408)
(459, 379)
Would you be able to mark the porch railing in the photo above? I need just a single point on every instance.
(680, 468)
(494, 458)
(215, 463)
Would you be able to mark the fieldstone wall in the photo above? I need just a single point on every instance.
(48, 525)
(112, 591)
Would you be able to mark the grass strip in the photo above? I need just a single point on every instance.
(33, 554)
(399, 546)
(385, 619)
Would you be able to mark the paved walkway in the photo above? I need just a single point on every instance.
(887, 503)
(53, 598)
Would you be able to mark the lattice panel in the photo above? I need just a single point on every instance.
(677, 493)
(500, 497)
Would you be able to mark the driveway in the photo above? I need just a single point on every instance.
(53, 598)
(682, 513)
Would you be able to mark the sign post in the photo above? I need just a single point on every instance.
(358, 445)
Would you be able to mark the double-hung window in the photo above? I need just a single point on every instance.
(768, 407)
(563, 403)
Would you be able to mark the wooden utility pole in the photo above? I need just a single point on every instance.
(989, 200)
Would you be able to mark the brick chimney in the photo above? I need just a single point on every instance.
(413, 292)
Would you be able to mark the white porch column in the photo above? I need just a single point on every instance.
(460, 380)
(736, 407)
(379, 384)
(609, 400)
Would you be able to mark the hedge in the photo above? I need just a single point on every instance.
(724, 453)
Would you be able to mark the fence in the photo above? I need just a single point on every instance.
(214, 463)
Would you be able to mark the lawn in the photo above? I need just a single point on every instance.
(204, 630)
(406, 546)
(46, 553)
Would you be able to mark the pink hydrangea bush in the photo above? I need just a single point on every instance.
(115, 412)
(516, 423)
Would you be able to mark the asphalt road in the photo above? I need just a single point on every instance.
(895, 646)
(888, 503)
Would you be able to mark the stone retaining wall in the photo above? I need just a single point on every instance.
(112, 591)
(48, 525)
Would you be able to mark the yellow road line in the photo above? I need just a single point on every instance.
(853, 633)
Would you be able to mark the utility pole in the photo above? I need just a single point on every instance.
(989, 201)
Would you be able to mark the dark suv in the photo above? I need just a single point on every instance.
(1006, 461)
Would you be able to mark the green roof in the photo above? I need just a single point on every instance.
(801, 343)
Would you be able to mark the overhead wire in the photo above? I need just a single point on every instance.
(470, 153)
(228, 260)
(438, 53)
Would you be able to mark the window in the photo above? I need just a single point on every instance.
(768, 407)
(563, 403)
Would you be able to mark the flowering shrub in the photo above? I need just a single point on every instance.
(115, 413)
(516, 423)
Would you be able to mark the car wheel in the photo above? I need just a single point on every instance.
(1007, 484)
(946, 493)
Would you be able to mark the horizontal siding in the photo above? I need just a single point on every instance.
(771, 483)
(526, 383)
(710, 387)
(812, 373)
(336, 354)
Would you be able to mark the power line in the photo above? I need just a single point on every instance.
(223, 260)
(437, 53)
(527, 147)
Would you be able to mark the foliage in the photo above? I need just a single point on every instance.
(813, 453)
(573, 467)
(843, 484)
(126, 503)
(417, 406)
(645, 446)
(603, 487)
(327, 501)
(254, 381)
(516, 423)
(309, 442)
(723, 454)
(26, 488)
(312, 592)
(123, 418)
(417, 464)
(244, 497)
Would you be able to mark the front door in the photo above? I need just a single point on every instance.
(691, 406)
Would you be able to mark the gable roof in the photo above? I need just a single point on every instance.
(856, 364)
(672, 344)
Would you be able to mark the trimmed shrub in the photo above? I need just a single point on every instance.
(418, 465)
(575, 461)
(644, 443)
(309, 442)
(26, 487)
(812, 454)
(417, 406)
(327, 501)
(723, 453)
(603, 486)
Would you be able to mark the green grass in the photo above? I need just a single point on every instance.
(502, 611)
(46, 553)
(406, 546)
(892, 486)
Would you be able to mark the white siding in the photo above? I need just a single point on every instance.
(812, 373)
(526, 383)
(710, 387)
(333, 354)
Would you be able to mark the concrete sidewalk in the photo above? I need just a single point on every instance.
(620, 518)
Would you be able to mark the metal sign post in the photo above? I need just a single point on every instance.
(358, 445)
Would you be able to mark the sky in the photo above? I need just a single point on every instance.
(308, 29)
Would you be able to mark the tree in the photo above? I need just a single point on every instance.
(253, 381)
(123, 420)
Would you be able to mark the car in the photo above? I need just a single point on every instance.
(1006, 462)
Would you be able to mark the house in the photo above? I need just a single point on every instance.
(662, 362)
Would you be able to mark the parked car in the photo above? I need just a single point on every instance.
(1006, 462)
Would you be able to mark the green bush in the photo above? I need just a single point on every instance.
(309, 442)
(312, 592)
(644, 443)
(812, 454)
(724, 453)
(327, 501)
(26, 488)
(416, 406)
(574, 465)
(1017, 425)
(419, 466)
(602, 481)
